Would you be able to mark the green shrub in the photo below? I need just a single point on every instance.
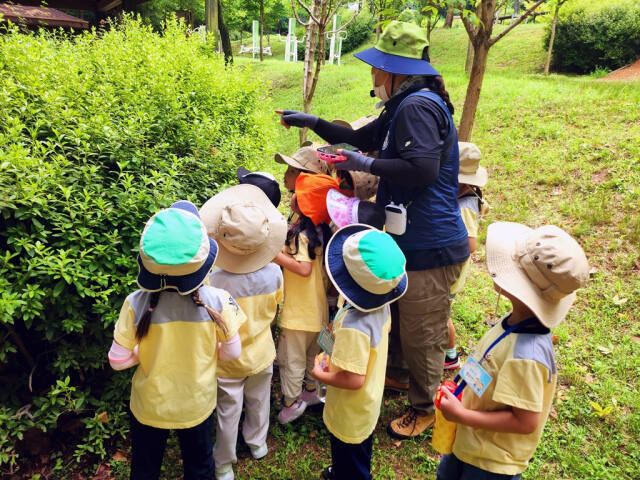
(358, 32)
(591, 35)
(97, 132)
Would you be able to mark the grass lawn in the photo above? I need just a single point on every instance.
(562, 150)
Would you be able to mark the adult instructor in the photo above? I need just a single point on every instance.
(418, 169)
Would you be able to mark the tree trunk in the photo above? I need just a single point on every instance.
(224, 36)
(378, 29)
(469, 61)
(211, 21)
(307, 79)
(547, 64)
(448, 20)
(261, 24)
(472, 98)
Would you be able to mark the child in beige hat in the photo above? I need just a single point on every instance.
(500, 425)
(250, 232)
(471, 178)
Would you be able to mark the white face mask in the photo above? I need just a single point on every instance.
(379, 90)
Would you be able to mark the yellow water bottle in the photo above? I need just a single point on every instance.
(444, 431)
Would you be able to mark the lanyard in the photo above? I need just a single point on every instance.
(524, 323)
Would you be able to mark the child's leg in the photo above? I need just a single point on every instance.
(257, 392)
(351, 461)
(229, 410)
(313, 349)
(452, 468)
(147, 449)
(292, 351)
(196, 446)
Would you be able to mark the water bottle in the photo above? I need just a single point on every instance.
(444, 431)
(321, 388)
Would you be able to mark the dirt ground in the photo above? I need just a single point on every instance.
(630, 73)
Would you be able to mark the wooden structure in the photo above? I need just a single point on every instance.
(39, 17)
(96, 6)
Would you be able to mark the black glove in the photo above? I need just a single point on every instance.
(293, 118)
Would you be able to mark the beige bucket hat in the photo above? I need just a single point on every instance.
(249, 230)
(305, 159)
(470, 171)
(542, 268)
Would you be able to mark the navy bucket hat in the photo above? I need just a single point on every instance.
(175, 251)
(366, 266)
(400, 50)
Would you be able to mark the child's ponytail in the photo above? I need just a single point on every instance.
(143, 325)
(306, 226)
(215, 316)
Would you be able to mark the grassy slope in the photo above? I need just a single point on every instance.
(562, 150)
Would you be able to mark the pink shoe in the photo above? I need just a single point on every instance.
(310, 397)
(293, 412)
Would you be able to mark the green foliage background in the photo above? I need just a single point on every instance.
(592, 35)
(97, 132)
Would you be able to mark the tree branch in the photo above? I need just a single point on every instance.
(295, 13)
(516, 23)
(471, 31)
(307, 9)
(344, 25)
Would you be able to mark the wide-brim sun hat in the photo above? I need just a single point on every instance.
(542, 268)
(175, 251)
(366, 266)
(305, 158)
(345, 210)
(470, 171)
(400, 50)
(249, 230)
(264, 181)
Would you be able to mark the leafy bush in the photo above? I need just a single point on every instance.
(594, 35)
(97, 132)
(358, 32)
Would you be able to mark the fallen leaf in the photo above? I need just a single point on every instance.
(635, 339)
(398, 443)
(119, 456)
(103, 417)
(313, 434)
(604, 350)
(554, 339)
(588, 378)
(619, 300)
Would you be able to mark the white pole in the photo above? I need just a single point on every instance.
(255, 33)
(332, 45)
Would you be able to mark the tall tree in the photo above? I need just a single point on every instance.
(225, 39)
(211, 20)
(320, 13)
(556, 8)
(482, 41)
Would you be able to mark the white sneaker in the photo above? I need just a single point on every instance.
(259, 451)
(224, 472)
(292, 412)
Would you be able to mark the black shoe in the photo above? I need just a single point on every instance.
(327, 474)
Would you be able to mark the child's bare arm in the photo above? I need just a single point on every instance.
(287, 261)
(512, 420)
(341, 379)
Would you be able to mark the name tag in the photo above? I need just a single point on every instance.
(326, 340)
(476, 377)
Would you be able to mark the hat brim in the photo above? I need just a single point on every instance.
(241, 172)
(211, 212)
(340, 208)
(280, 158)
(357, 296)
(478, 179)
(183, 284)
(388, 62)
(510, 277)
